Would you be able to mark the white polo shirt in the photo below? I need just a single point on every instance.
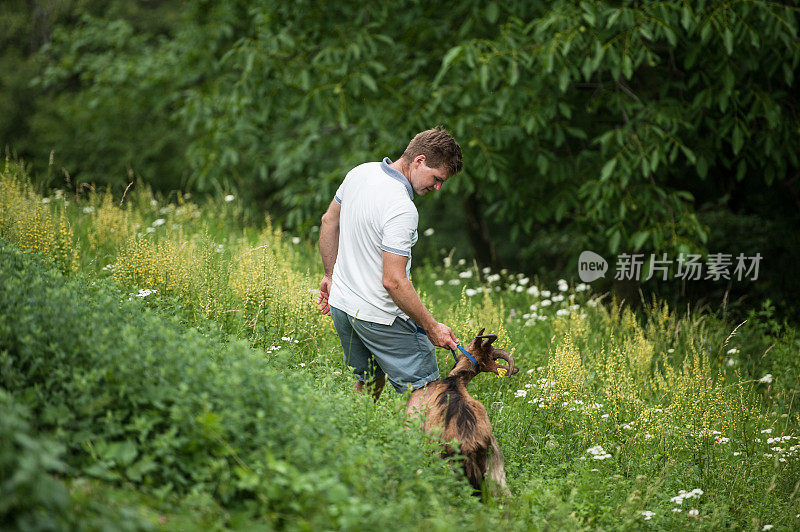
(378, 214)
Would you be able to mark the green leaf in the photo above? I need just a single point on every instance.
(702, 167)
(728, 80)
(449, 57)
(605, 173)
(513, 76)
(627, 66)
(613, 242)
(727, 38)
(741, 170)
(542, 163)
(639, 238)
(563, 79)
(369, 82)
(492, 12)
(737, 139)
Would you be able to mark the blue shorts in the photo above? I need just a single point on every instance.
(398, 351)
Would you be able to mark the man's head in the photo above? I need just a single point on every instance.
(430, 159)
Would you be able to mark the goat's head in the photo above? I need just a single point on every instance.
(486, 355)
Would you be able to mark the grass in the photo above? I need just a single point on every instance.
(612, 416)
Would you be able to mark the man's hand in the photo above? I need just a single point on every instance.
(441, 335)
(324, 294)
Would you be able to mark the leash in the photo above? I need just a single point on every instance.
(463, 351)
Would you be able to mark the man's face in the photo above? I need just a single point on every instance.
(423, 179)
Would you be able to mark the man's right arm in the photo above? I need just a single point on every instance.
(329, 249)
(406, 298)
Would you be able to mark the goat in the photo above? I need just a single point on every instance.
(452, 414)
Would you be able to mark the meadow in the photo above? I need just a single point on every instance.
(656, 419)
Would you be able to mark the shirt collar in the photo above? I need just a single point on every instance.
(395, 174)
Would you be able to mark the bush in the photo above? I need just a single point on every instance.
(137, 400)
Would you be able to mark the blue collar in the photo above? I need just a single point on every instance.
(394, 174)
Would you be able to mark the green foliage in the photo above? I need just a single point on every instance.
(593, 114)
(137, 400)
(30, 497)
(199, 431)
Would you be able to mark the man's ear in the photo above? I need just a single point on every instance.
(420, 159)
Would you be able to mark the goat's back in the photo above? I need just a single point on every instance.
(451, 410)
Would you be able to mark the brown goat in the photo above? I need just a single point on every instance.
(452, 414)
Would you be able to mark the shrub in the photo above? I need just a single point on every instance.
(137, 400)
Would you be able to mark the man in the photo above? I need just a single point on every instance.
(367, 233)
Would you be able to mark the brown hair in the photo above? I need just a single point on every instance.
(439, 148)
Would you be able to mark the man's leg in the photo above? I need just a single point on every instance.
(365, 368)
(375, 387)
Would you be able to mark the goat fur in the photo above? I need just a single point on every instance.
(453, 414)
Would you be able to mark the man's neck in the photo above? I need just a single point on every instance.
(401, 166)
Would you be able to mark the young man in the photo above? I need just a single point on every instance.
(365, 240)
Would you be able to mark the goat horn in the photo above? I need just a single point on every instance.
(489, 338)
(505, 355)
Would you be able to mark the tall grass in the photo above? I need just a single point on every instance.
(613, 414)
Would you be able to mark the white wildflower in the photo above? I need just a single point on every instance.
(159, 222)
(766, 379)
(545, 293)
(45, 200)
(461, 262)
(151, 229)
(465, 275)
(524, 281)
(533, 290)
(88, 209)
(582, 287)
(428, 231)
(562, 312)
(546, 303)
(766, 431)
(229, 198)
(493, 278)
(557, 298)
(520, 393)
(446, 261)
(453, 282)
(733, 351)
(295, 240)
(486, 270)
(438, 282)
(693, 512)
(469, 292)
(648, 515)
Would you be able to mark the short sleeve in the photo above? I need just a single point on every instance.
(339, 194)
(400, 231)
